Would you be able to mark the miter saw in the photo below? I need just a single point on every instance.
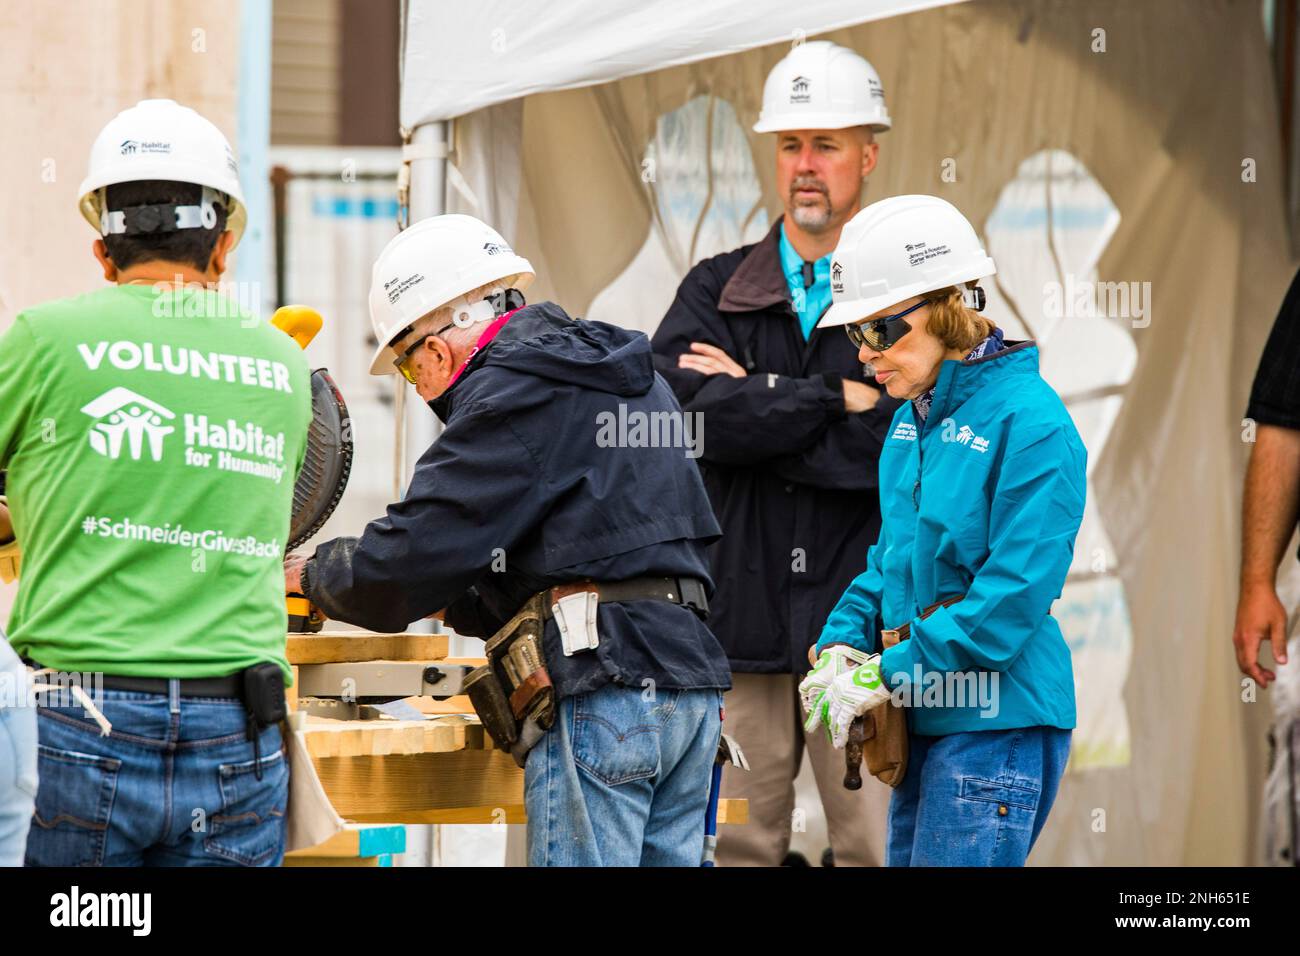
(328, 461)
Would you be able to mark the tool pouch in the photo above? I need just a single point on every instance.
(884, 743)
(884, 740)
(512, 694)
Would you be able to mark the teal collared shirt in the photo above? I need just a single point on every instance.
(809, 303)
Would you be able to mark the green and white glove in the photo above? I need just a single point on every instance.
(835, 660)
(851, 695)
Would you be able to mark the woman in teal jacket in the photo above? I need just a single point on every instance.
(982, 493)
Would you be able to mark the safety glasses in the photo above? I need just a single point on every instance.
(404, 362)
(882, 333)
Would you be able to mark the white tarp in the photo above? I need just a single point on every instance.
(612, 190)
(462, 57)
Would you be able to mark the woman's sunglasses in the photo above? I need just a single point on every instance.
(882, 333)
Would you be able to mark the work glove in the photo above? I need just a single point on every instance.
(835, 660)
(851, 695)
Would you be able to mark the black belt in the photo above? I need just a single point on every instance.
(687, 592)
(230, 686)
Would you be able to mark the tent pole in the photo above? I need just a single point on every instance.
(427, 156)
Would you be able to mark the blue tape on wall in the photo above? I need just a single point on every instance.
(344, 207)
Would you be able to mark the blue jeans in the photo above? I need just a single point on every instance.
(17, 757)
(620, 780)
(975, 799)
(173, 785)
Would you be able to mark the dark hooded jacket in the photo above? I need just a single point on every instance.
(791, 474)
(524, 490)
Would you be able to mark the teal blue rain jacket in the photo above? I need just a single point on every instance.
(983, 498)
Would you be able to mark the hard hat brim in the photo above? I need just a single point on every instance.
(855, 310)
(876, 121)
(382, 362)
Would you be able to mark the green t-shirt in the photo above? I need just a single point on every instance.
(152, 440)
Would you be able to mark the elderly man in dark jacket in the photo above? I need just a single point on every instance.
(532, 484)
(792, 430)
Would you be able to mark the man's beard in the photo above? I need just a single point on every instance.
(812, 217)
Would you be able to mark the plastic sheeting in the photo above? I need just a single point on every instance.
(462, 57)
(1169, 106)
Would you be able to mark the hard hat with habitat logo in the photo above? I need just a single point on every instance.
(822, 85)
(160, 139)
(898, 248)
(434, 263)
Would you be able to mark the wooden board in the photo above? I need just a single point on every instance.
(381, 860)
(343, 647)
(452, 705)
(514, 813)
(733, 812)
(358, 841)
(382, 789)
(328, 738)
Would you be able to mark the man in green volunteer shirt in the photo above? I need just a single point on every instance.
(152, 434)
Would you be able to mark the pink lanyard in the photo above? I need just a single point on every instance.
(488, 335)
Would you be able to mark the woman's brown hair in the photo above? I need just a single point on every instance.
(952, 323)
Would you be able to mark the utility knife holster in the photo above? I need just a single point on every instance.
(512, 694)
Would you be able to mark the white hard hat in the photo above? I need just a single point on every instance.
(434, 263)
(160, 139)
(899, 248)
(821, 85)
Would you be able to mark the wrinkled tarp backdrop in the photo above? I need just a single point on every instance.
(1164, 119)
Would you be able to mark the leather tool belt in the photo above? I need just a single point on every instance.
(688, 592)
(512, 693)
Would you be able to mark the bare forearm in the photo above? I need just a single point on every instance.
(1270, 503)
(6, 526)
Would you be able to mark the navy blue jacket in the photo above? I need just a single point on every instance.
(791, 474)
(517, 494)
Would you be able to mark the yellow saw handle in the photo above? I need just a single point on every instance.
(299, 322)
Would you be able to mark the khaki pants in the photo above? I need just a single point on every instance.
(764, 716)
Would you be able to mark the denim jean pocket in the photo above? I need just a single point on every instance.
(249, 828)
(74, 800)
(616, 733)
(1005, 812)
(1008, 795)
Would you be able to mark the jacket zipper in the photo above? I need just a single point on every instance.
(916, 490)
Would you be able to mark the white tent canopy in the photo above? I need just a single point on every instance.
(462, 57)
(1158, 120)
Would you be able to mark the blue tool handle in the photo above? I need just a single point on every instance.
(711, 818)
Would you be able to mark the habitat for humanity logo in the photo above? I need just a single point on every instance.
(799, 90)
(130, 147)
(122, 414)
(964, 436)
